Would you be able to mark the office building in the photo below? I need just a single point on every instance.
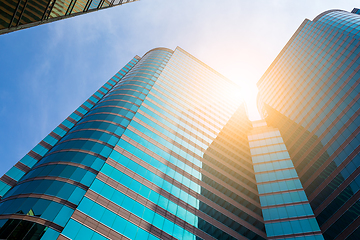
(310, 93)
(148, 156)
(19, 14)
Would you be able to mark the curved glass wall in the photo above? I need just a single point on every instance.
(311, 94)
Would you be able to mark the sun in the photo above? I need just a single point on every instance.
(249, 93)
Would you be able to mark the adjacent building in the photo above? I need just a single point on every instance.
(310, 93)
(19, 14)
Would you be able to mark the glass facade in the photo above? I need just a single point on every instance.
(310, 93)
(159, 152)
(19, 14)
(286, 209)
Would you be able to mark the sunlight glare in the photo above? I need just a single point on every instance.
(249, 93)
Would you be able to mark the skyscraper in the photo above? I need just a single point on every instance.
(148, 156)
(19, 14)
(311, 94)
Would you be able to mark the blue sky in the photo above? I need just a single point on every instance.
(47, 71)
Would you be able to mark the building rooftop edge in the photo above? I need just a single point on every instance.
(282, 51)
(326, 12)
(208, 67)
(196, 59)
(159, 48)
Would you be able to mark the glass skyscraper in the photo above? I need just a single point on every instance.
(148, 156)
(19, 14)
(311, 94)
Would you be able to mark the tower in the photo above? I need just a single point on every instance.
(148, 156)
(310, 93)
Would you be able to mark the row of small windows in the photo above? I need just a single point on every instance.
(292, 227)
(21, 229)
(268, 149)
(76, 231)
(280, 186)
(45, 209)
(265, 142)
(289, 211)
(270, 157)
(273, 166)
(283, 198)
(264, 135)
(276, 175)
